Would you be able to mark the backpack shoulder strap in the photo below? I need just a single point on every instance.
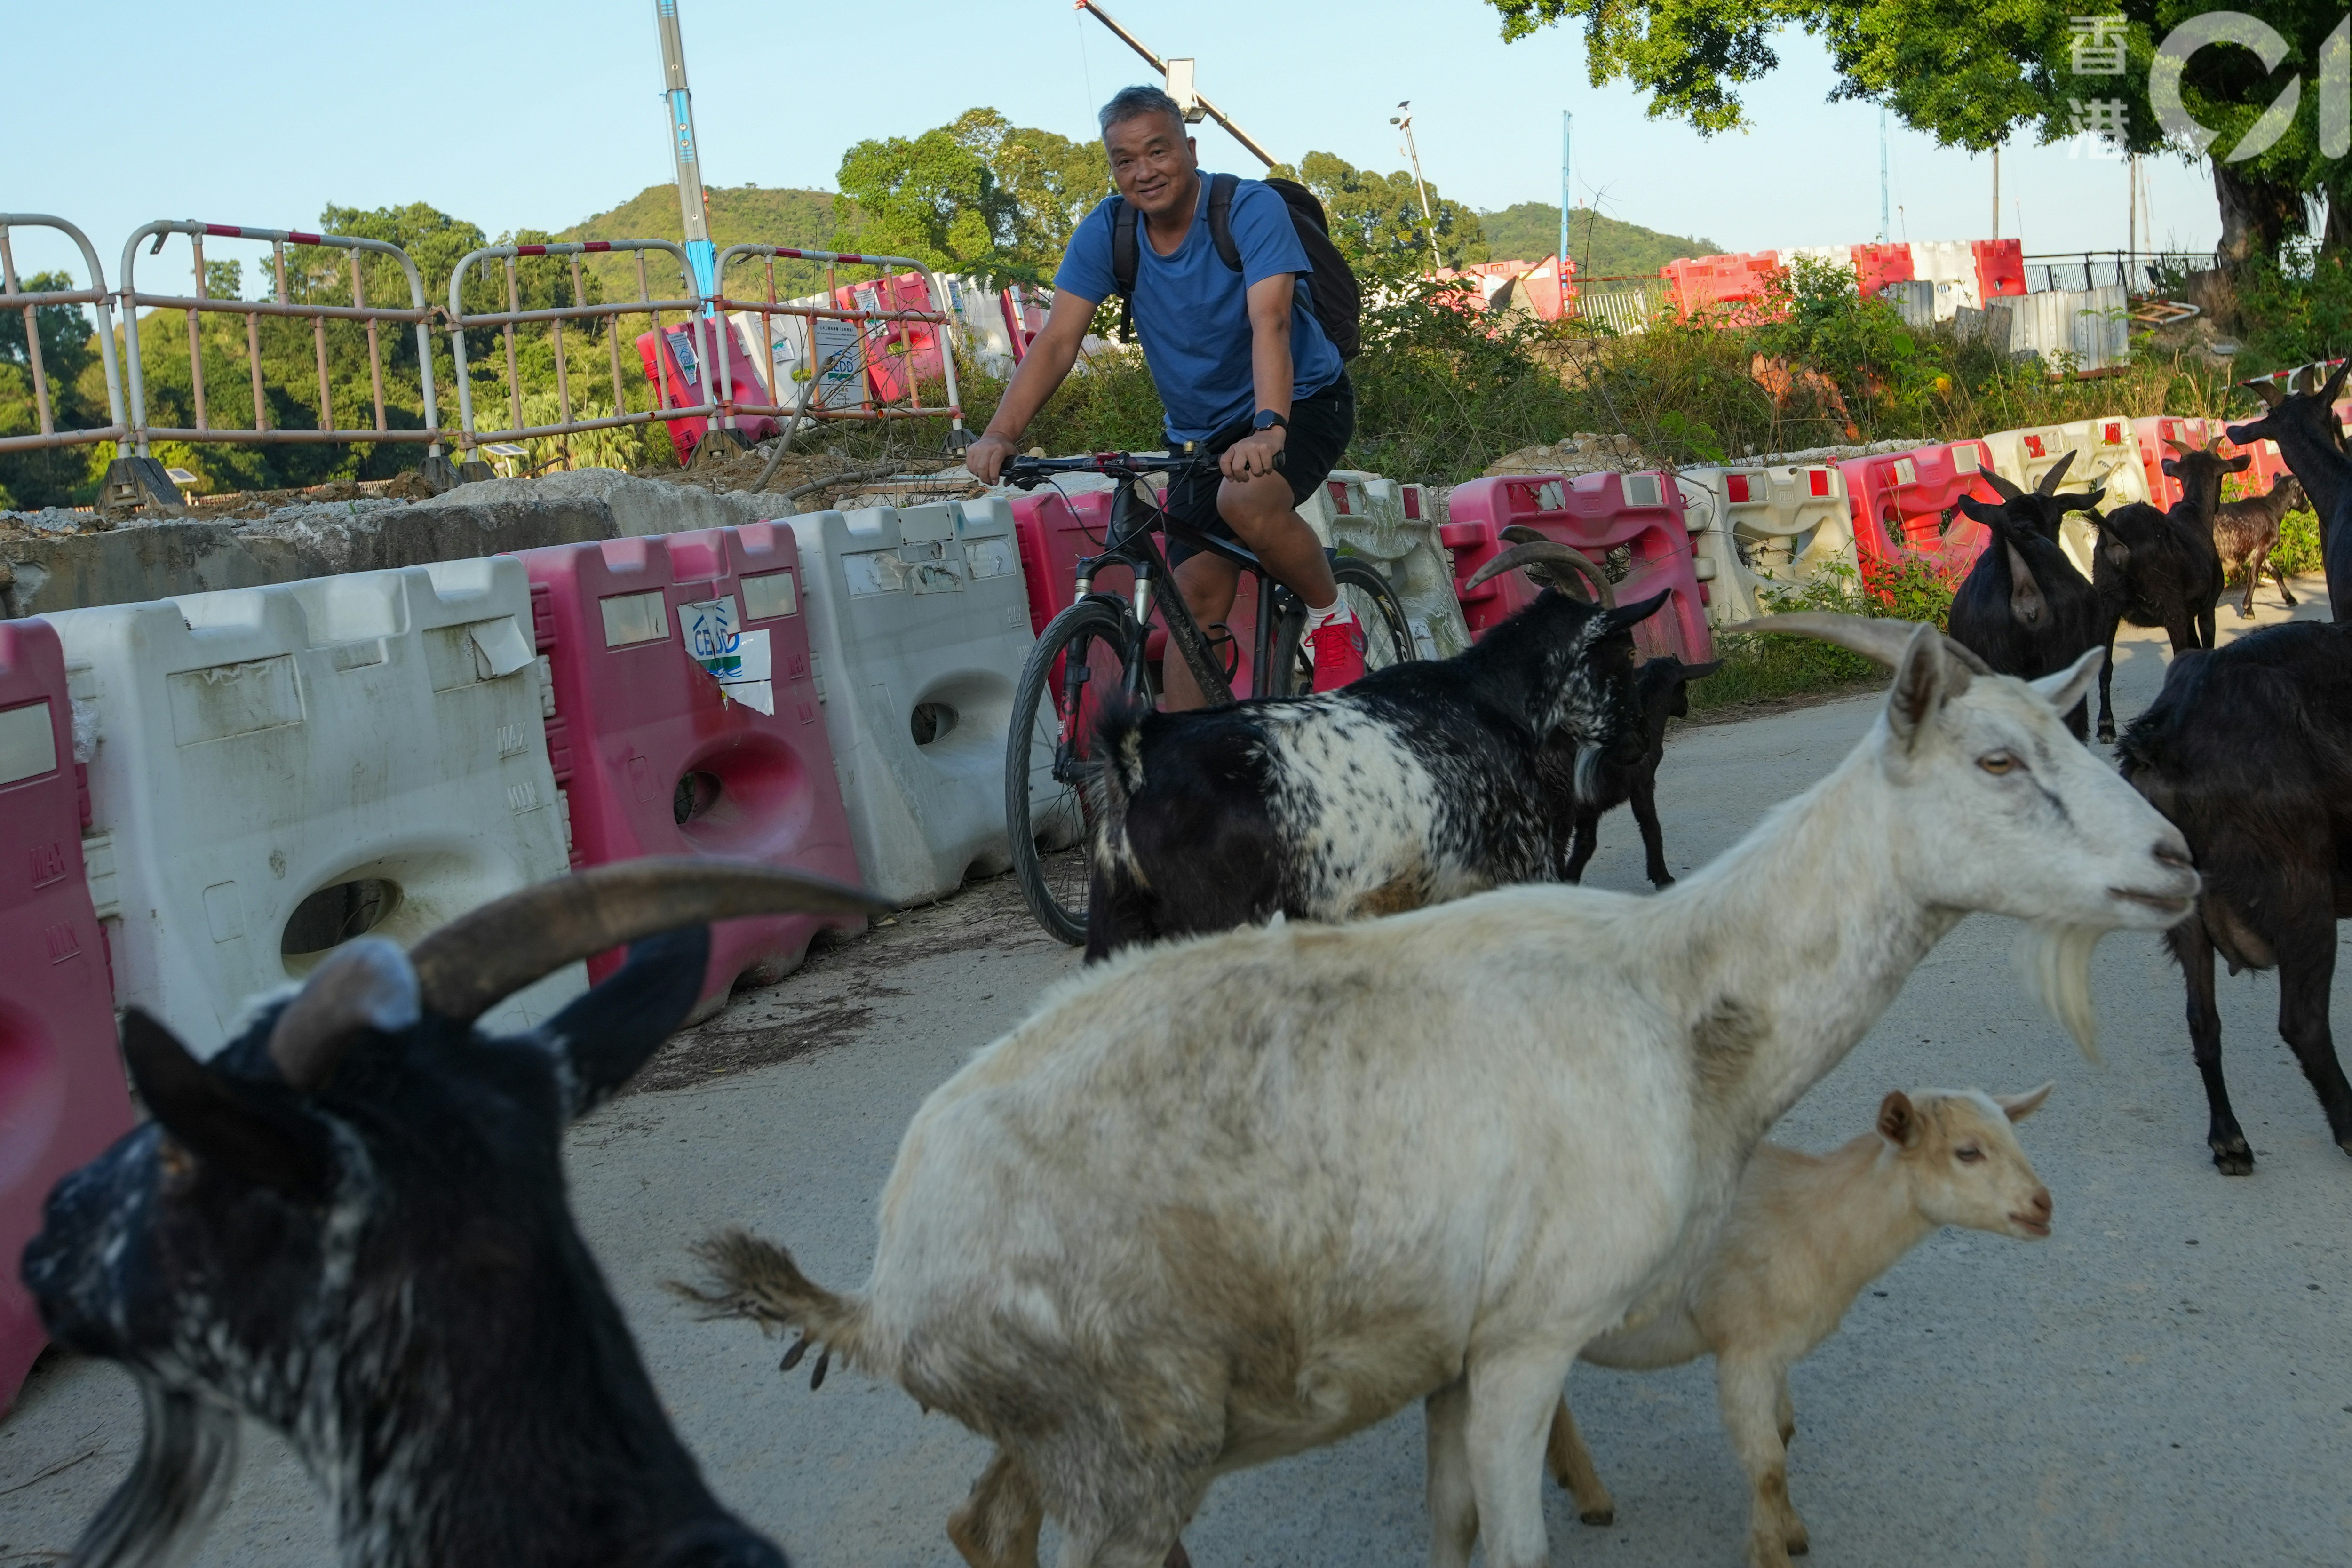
(1221, 223)
(1122, 246)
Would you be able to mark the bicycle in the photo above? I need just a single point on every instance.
(1096, 652)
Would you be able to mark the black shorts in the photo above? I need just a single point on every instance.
(1319, 431)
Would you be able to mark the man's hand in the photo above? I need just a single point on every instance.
(1252, 456)
(986, 458)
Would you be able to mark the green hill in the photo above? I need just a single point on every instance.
(1601, 246)
(739, 215)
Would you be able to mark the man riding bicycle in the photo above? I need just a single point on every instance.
(1242, 366)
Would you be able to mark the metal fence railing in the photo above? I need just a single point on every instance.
(884, 337)
(13, 297)
(2139, 271)
(687, 305)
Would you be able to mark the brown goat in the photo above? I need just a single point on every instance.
(2246, 532)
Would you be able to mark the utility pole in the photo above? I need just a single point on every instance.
(1885, 231)
(1566, 121)
(1189, 98)
(1428, 219)
(699, 252)
(1995, 192)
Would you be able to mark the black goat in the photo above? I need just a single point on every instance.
(2160, 568)
(2249, 750)
(1661, 691)
(2305, 426)
(2246, 532)
(350, 1225)
(2023, 607)
(1415, 784)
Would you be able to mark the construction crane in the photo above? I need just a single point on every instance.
(1178, 75)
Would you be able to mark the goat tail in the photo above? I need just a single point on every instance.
(748, 1278)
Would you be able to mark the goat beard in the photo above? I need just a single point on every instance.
(2055, 961)
(159, 1515)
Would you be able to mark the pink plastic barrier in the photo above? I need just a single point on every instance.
(1907, 505)
(681, 382)
(893, 349)
(1055, 533)
(62, 1094)
(1876, 266)
(1595, 513)
(1698, 283)
(2153, 432)
(2001, 267)
(653, 758)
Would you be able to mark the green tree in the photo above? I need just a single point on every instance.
(1377, 222)
(1975, 73)
(978, 195)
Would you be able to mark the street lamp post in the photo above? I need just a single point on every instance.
(1429, 220)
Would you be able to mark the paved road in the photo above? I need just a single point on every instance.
(2166, 1381)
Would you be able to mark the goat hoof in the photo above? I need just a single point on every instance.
(1597, 1516)
(2233, 1158)
(2106, 734)
(2245, 614)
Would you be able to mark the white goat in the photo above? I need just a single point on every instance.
(1231, 1198)
(1803, 1238)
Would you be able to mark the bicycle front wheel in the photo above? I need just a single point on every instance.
(1388, 640)
(1052, 779)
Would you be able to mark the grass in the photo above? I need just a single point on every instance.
(1764, 668)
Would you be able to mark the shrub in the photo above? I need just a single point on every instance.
(1761, 667)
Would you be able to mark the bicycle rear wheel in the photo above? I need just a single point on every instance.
(1052, 790)
(1388, 640)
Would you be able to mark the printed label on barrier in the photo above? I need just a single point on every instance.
(681, 344)
(712, 638)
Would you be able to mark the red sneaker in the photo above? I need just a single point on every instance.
(1337, 647)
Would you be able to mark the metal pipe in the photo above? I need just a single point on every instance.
(1211, 109)
(684, 154)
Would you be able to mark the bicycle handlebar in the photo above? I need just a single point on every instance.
(1028, 473)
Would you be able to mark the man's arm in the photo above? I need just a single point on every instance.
(1041, 370)
(1270, 369)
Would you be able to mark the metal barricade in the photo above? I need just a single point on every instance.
(281, 304)
(13, 297)
(886, 326)
(470, 436)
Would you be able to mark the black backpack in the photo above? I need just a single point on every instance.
(1331, 288)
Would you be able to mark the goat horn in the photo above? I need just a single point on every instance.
(1544, 551)
(484, 957)
(2003, 486)
(2267, 393)
(1883, 640)
(2048, 484)
(366, 983)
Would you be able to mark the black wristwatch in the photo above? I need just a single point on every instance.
(1267, 419)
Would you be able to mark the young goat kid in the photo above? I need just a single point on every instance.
(1417, 784)
(350, 1225)
(1661, 692)
(1223, 1200)
(1805, 1235)
(2023, 608)
(2248, 749)
(2246, 532)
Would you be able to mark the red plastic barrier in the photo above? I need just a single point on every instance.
(681, 382)
(2153, 432)
(2001, 267)
(1055, 531)
(1876, 266)
(1702, 283)
(62, 1094)
(894, 348)
(653, 760)
(1595, 513)
(1907, 505)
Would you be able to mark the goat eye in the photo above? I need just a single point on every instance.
(1969, 1155)
(1997, 762)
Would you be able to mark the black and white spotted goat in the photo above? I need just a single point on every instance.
(1416, 784)
(350, 1225)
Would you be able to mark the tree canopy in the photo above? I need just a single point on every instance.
(1377, 222)
(979, 195)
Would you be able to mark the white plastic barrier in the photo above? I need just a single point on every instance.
(277, 769)
(1951, 265)
(2106, 454)
(1764, 526)
(1389, 525)
(2094, 325)
(918, 623)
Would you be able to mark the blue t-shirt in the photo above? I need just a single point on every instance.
(1191, 311)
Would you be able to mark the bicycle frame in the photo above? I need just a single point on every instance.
(1129, 543)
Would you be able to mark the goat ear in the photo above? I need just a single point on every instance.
(2172, 467)
(2239, 464)
(2067, 687)
(206, 1112)
(2334, 383)
(1984, 511)
(1625, 617)
(2018, 1107)
(2027, 604)
(602, 1039)
(1898, 1122)
(1924, 681)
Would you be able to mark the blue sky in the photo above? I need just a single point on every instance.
(531, 113)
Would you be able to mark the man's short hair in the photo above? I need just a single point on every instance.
(1135, 102)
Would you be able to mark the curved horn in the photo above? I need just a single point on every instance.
(366, 983)
(2003, 486)
(2267, 393)
(1883, 640)
(1544, 551)
(484, 957)
(2048, 483)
